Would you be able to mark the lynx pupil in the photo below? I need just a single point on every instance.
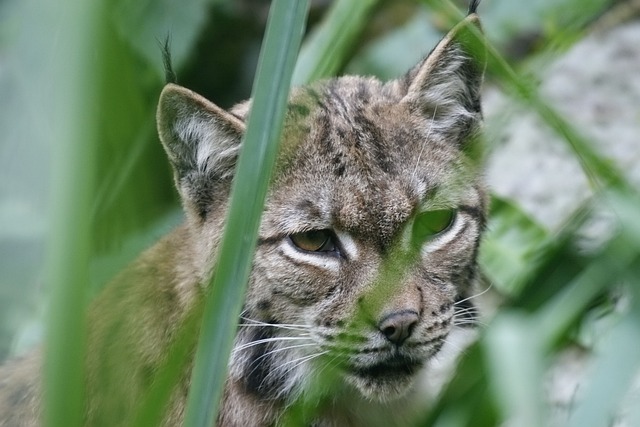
(314, 241)
(431, 223)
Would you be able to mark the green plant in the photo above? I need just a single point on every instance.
(94, 115)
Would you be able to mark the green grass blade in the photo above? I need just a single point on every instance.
(616, 366)
(510, 246)
(614, 371)
(325, 51)
(465, 400)
(74, 138)
(223, 305)
(515, 362)
(562, 312)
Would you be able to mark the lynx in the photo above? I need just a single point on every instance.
(365, 262)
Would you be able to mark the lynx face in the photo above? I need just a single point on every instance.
(371, 226)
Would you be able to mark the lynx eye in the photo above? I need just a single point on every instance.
(431, 223)
(315, 241)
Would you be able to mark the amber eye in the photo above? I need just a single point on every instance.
(431, 223)
(314, 241)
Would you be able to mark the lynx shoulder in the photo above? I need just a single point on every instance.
(366, 252)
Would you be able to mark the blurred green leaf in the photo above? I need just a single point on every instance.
(510, 245)
(395, 53)
(614, 371)
(573, 298)
(633, 414)
(104, 266)
(516, 364)
(134, 186)
(144, 23)
(74, 107)
(257, 158)
(325, 51)
(506, 21)
(465, 400)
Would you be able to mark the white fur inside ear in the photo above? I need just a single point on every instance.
(213, 149)
(445, 91)
(446, 85)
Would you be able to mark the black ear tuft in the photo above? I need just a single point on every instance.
(473, 7)
(169, 74)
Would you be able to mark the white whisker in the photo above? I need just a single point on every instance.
(469, 322)
(454, 345)
(303, 359)
(330, 362)
(471, 315)
(275, 325)
(254, 362)
(277, 350)
(467, 316)
(469, 311)
(475, 296)
(268, 340)
(288, 367)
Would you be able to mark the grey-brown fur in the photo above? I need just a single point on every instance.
(360, 158)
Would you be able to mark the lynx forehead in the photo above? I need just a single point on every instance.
(379, 160)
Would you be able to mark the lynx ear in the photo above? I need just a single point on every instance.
(202, 142)
(446, 84)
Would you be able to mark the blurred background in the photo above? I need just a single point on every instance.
(562, 102)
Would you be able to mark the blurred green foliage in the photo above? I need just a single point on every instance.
(550, 288)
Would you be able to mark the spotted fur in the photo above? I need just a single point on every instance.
(348, 330)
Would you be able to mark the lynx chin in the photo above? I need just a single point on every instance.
(365, 264)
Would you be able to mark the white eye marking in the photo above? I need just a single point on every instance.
(442, 239)
(317, 259)
(348, 245)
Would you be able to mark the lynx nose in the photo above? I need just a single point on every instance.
(397, 326)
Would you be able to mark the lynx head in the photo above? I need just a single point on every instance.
(371, 226)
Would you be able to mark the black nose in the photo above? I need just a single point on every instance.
(397, 326)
